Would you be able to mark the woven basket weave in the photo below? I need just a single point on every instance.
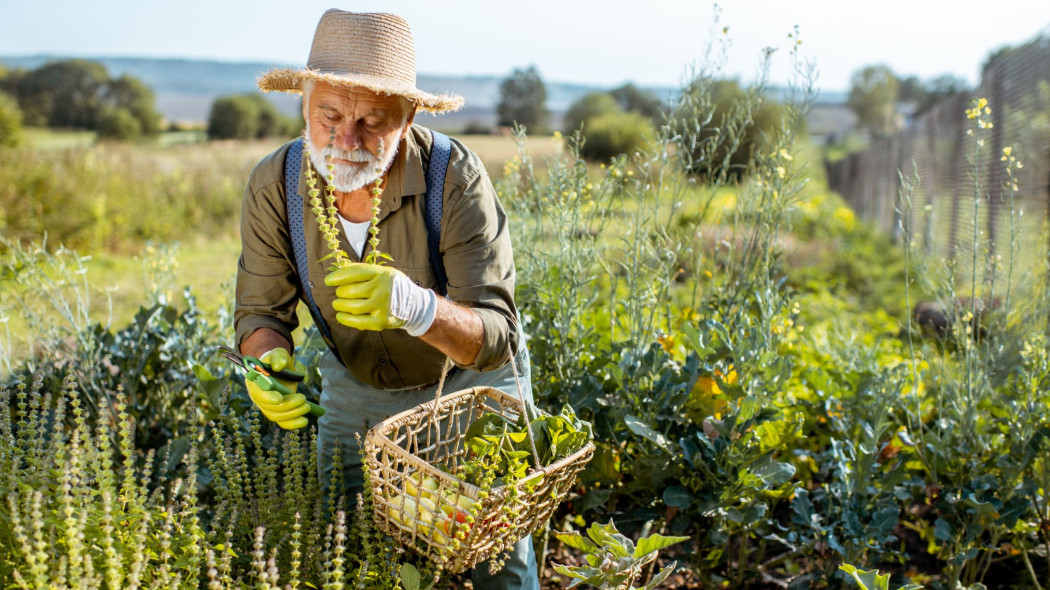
(410, 444)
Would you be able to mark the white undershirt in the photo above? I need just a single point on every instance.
(356, 234)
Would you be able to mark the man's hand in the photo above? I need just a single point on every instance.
(287, 410)
(374, 297)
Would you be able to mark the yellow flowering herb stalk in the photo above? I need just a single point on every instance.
(328, 215)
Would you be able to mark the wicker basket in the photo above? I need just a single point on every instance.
(404, 449)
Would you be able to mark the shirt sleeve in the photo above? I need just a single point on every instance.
(479, 262)
(267, 285)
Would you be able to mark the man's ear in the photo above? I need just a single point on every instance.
(408, 122)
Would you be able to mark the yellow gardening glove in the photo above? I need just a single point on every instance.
(286, 409)
(374, 297)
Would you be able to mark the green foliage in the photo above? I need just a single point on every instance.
(247, 116)
(118, 197)
(873, 97)
(129, 94)
(723, 128)
(79, 94)
(873, 580)
(523, 100)
(609, 135)
(607, 127)
(119, 124)
(588, 107)
(613, 560)
(63, 93)
(10, 121)
(635, 100)
(228, 508)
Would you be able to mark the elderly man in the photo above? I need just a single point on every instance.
(388, 327)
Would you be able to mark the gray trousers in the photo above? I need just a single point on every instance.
(352, 407)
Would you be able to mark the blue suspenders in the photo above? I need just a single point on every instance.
(439, 156)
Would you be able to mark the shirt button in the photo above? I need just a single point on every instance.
(419, 284)
(383, 362)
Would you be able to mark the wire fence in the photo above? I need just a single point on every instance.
(942, 181)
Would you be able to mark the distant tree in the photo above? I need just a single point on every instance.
(587, 107)
(523, 100)
(137, 99)
(119, 123)
(10, 121)
(911, 90)
(233, 117)
(636, 100)
(63, 93)
(873, 98)
(945, 85)
(247, 116)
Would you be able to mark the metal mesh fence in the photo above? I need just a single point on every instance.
(942, 180)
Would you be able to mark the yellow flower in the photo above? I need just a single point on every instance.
(666, 342)
(1007, 150)
(557, 135)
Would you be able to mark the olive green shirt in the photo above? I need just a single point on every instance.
(475, 246)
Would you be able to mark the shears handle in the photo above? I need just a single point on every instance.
(271, 383)
(254, 364)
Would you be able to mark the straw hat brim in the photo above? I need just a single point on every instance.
(291, 80)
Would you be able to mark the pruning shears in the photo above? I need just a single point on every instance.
(266, 378)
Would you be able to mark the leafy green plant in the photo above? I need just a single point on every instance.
(613, 560)
(873, 580)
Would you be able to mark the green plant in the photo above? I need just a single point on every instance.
(873, 580)
(587, 107)
(613, 560)
(611, 134)
(118, 124)
(10, 121)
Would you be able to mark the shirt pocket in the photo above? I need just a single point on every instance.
(422, 277)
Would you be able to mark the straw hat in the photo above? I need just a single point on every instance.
(369, 50)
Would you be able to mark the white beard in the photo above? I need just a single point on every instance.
(346, 178)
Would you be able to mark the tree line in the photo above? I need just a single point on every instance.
(76, 94)
(80, 94)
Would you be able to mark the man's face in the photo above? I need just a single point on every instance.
(361, 120)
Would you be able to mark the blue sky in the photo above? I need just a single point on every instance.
(602, 43)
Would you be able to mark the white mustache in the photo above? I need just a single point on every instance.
(358, 155)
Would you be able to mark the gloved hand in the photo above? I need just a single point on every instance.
(287, 410)
(374, 297)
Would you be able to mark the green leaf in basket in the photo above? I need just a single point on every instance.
(647, 545)
(488, 424)
(410, 577)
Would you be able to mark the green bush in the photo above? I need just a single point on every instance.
(233, 117)
(119, 124)
(10, 121)
(588, 107)
(611, 134)
(248, 116)
(723, 127)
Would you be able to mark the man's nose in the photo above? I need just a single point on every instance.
(347, 136)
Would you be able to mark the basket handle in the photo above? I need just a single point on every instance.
(447, 366)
